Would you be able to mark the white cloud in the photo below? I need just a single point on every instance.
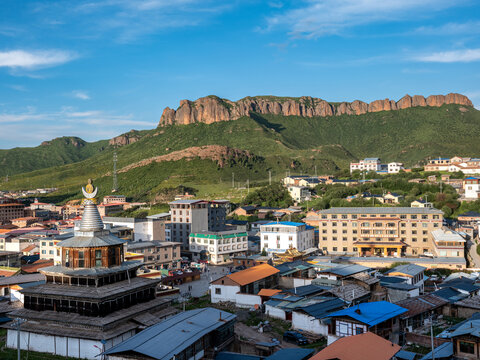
(82, 95)
(470, 27)
(326, 17)
(34, 59)
(466, 55)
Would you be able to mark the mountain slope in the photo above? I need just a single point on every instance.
(59, 151)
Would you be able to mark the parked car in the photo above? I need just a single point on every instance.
(295, 337)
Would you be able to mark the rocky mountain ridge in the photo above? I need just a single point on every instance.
(211, 109)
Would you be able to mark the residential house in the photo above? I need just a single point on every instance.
(448, 243)
(366, 346)
(466, 340)
(421, 203)
(420, 309)
(379, 317)
(299, 193)
(395, 167)
(247, 210)
(397, 288)
(439, 164)
(187, 335)
(465, 286)
(242, 287)
(412, 273)
(158, 254)
(392, 198)
(312, 318)
(278, 237)
(367, 164)
(471, 187)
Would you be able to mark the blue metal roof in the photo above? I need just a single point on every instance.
(170, 337)
(405, 355)
(226, 355)
(371, 313)
(461, 284)
(307, 290)
(449, 294)
(444, 351)
(346, 270)
(291, 354)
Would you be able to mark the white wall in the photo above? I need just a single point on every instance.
(308, 323)
(275, 312)
(228, 293)
(16, 295)
(301, 282)
(247, 300)
(60, 345)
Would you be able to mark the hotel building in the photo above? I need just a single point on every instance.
(376, 231)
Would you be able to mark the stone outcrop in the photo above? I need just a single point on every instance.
(222, 155)
(124, 139)
(212, 109)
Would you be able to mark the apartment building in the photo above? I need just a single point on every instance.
(110, 199)
(218, 247)
(376, 231)
(195, 216)
(367, 164)
(48, 250)
(278, 237)
(9, 211)
(144, 229)
(158, 254)
(439, 164)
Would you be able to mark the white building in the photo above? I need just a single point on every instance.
(144, 229)
(218, 247)
(367, 164)
(448, 243)
(420, 203)
(394, 167)
(471, 186)
(280, 236)
(299, 193)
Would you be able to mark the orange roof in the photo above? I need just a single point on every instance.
(359, 347)
(268, 292)
(33, 268)
(12, 204)
(29, 248)
(4, 272)
(252, 274)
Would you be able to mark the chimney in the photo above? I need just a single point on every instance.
(358, 311)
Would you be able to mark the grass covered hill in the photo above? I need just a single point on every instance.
(59, 151)
(252, 146)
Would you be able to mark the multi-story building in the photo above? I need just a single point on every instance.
(110, 199)
(439, 164)
(299, 193)
(48, 250)
(195, 216)
(471, 186)
(381, 231)
(448, 243)
(280, 236)
(9, 211)
(144, 229)
(158, 254)
(218, 247)
(109, 209)
(367, 164)
(25, 221)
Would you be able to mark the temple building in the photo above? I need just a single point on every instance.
(90, 302)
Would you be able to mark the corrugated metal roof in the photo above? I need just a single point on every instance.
(291, 354)
(171, 336)
(405, 355)
(346, 270)
(407, 269)
(371, 313)
(444, 351)
(322, 309)
(225, 355)
(253, 274)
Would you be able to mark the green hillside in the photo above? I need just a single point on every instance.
(279, 143)
(59, 151)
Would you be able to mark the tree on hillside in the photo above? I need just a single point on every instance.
(274, 195)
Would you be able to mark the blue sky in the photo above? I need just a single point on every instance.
(96, 69)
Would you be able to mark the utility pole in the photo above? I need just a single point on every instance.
(115, 181)
(17, 324)
(233, 180)
(431, 337)
(441, 187)
(269, 177)
(248, 186)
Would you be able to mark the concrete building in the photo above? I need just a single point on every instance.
(471, 187)
(438, 164)
(218, 247)
(109, 199)
(9, 211)
(195, 216)
(280, 236)
(367, 164)
(394, 167)
(420, 203)
(413, 274)
(299, 193)
(367, 231)
(448, 243)
(144, 229)
(158, 254)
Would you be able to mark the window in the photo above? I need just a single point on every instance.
(344, 231)
(424, 217)
(354, 216)
(334, 216)
(50, 243)
(344, 224)
(414, 232)
(414, 239)
(345, 249)
(334, 248)
(324, 224)
(414, 225)
(44, 251)
(334, 238)
(425, 239)
(358, 330)
(344, 238)
(413, 216)
(50, 252)
(334, 224)
(324, 238)
(98, 258)
(218, 291)
(81, 259)
(467, 347)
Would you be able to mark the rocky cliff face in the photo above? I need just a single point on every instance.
(124, 139)
(212, 109)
